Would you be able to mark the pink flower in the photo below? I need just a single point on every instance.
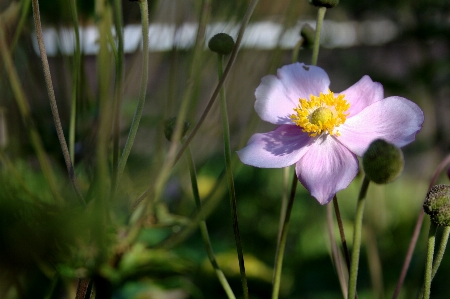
(323, 133)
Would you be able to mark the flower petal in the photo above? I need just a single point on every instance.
(277, 96)
(394, 119)
(362, 94)
(280, 148)
(326, 168)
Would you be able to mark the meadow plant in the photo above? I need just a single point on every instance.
(130, 204)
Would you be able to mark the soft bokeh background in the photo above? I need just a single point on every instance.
(403, 44)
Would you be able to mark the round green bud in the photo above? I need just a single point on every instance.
(169, 127)
(324, 3)
(308, 34)
(221, 43)
(437, 205)
(382, 162)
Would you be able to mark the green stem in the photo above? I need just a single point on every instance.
(429, 263)
(320, 17)
(20, 26)
(282, 244)
(357, 239)
(441, 251)
(415, 236)
(341, 231)
(439, 255)
(118, 88)
(53, 105)
(229, 174)
(142, 93)
(203, 228)
(25, 113)
(76, 81)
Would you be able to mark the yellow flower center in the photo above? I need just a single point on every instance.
(321, 114)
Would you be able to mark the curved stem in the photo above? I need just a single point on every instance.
(203, 228)
(357, 239)
(282, 244)
(229, 174)
(429, 263)
(416, 232)
(53, 106)
(320, 16)
(142, 92)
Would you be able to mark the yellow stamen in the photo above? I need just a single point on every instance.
(321, 114)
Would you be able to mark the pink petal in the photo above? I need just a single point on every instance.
(394, 119)
(362, 94)
(277, 96)
(280, 148)
(326, 168)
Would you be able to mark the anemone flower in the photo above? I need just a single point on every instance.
(322, 133)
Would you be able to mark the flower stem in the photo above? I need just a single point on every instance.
(76, 81)
(142, 92)
(335, 253)
(416, 232)
(203, 228)
(357, 238)
(429, 262)
(53, 106)
(118, 88)
(341, 231)
(441, 251)
(282, 244)
(320, 17)
(229, 174)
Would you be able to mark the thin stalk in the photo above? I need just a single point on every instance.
(439, 256)
(341, 231)
(76, 81)
(429, 262)
(171, 160)
(229, 174)
(415, 236)
(142, 93)
(52, 98)
(284, 204)
(25, 113)
(233, 56)
(320, 16)
(203, 228)
(335, 252)
(357, 239)
(282, 246)
(18, 29)
(118, 88)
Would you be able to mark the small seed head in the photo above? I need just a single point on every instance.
(221, 43)
(382, 162)
(437, 205)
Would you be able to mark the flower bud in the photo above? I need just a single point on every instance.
(169, 128)
(221, 43)
(324, 3)
(437, 205)
(308, 34)
(382, 162)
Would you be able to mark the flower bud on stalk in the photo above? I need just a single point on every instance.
(324, 3)
(169, 128)
(382, 162)
(221, 43)
(437, 205)
(308, 33)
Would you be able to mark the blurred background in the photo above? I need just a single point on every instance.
(403, 44)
